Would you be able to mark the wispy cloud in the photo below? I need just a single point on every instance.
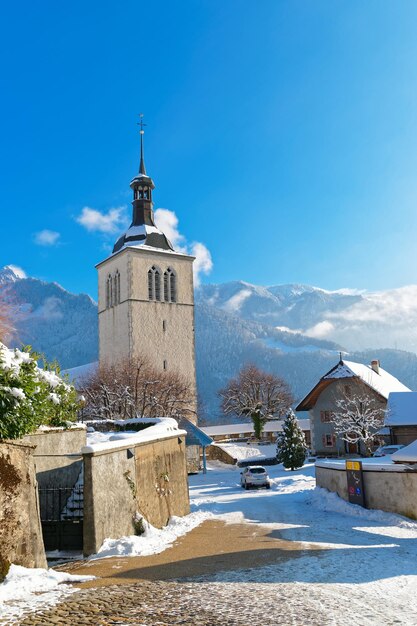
(167, 222)
(383, 319)
(102, 222)
(47, 238)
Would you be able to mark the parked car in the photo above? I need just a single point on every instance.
(254, 476)
(386, 450)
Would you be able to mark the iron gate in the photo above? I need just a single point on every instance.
(61, 510)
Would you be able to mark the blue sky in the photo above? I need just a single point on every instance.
(283, 134)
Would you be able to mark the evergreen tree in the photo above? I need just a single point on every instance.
(291, 445)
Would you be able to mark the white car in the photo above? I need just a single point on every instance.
(386, 450)
(254, 476)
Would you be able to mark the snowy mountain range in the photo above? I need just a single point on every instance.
(295, 331)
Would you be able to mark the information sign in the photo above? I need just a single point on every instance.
(355, 486)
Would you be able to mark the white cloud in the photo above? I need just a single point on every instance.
(47, 237)
(110, 222)
(167, 222)
(322, 330)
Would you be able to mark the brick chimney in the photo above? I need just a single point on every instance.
(375, 365)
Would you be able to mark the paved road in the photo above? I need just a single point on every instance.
(189, 604)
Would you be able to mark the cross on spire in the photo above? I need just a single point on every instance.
(142, 168)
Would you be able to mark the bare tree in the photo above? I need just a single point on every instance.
(357, 419)
(257, 394)
(134, 388)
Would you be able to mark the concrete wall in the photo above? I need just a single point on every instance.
(150, 478)
(57, 456)
(20, 527)
(393, 491)
(327, 402)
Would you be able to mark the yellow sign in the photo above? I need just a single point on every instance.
(353, 465)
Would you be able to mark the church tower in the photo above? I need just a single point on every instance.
(145, 292)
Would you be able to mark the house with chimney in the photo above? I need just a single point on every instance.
(346, 379)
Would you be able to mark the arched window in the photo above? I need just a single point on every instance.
(157, 277)
(170, 285)
(154, 283)
(109, 292)
(150, 284)
(116, 288)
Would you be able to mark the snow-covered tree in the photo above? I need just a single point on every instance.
(256, 394)
(134, 388)
(31, 396)
(291, 445)
(357, 419)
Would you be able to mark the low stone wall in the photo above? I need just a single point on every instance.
(57, 456)
(393, 490)
(149, 477)
(216, 453)
(20, 527)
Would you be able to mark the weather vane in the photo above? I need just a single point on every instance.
(141, 124)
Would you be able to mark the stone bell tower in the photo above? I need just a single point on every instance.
(145, 292)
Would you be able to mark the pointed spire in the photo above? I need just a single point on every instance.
(142, 168)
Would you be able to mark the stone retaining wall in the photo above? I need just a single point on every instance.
(393, 490)
(149, 477)
(57, 456)
(216, 453)
(20, 527)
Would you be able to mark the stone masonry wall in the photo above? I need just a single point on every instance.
(20, 527)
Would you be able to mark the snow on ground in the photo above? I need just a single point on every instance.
(153, 540)
(360, 564)
(27, 589)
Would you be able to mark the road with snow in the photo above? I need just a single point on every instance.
(347, 565)
(358, 566)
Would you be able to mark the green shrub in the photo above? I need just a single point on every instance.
(32, 396)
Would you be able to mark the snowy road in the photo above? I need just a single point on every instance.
(358, 565)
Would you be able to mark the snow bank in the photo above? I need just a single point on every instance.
(160, 428)
(330, 502)
(26, 589)
(154, 540)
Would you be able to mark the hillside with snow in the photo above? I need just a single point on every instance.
(236, 323)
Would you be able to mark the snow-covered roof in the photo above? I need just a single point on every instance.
(160, 428)
(401, 409)
(408, 454)
(383, 382)
(247, 427)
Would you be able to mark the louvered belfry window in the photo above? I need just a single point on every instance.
(170, 285)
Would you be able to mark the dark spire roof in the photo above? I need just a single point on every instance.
(142, 168)
(142, 231)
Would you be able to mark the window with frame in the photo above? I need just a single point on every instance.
(109, 292)
(154, 284)
(116, 288)
(170, 285)
(329, 440)
(326, 416)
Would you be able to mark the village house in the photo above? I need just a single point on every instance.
(345, 380)
(401, 417)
